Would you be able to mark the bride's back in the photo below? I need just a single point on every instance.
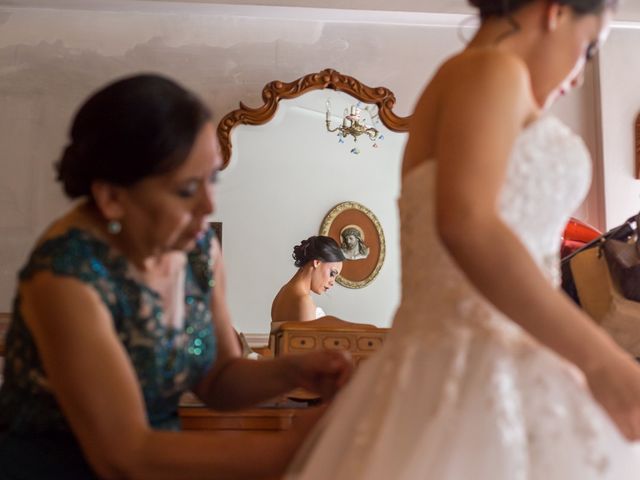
(453, 80)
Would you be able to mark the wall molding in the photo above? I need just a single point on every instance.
(256, 339)
(333, 15)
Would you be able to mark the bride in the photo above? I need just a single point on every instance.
(490, 372)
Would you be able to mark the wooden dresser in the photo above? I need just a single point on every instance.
(275, 416)
(328, 333)
(253, 419)
(360, 340)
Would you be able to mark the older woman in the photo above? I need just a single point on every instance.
(121, 308)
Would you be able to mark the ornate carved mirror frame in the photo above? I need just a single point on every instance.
(277, 90)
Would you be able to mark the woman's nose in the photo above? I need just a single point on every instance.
(207, 201)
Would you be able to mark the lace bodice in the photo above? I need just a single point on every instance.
(547, 177)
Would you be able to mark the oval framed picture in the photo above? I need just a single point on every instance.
(361, 239)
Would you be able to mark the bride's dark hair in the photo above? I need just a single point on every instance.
(501, 8)
(318, 247)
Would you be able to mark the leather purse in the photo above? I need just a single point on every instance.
(623, 261)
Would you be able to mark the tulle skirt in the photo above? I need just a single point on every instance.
(466, 404)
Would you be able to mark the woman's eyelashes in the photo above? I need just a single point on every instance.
(190, 188)
(334, 273)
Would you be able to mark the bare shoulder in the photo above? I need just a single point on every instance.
(306, 309)
(292, 305)
(471, 88)
(60, 304)
(483, 74)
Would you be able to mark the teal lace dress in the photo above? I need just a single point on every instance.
(35, 438)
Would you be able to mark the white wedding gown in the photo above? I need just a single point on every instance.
(459, 391)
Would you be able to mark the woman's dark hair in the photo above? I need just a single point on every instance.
(131, 129)
(501, 8)
(318, 247)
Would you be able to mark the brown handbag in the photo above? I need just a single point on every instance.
(623, 260)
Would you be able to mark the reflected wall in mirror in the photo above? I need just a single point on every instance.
(284, 171)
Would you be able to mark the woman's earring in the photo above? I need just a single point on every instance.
(114, 227)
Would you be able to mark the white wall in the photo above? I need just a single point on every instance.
(620, 103)
(51, 59)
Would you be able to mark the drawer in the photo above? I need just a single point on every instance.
(369, 344)
(302, 342)
(336, 342)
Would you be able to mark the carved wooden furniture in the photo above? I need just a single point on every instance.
(245, 424)
(276, 415)
(253, 419)
(360, 340)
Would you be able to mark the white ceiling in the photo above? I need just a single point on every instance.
(629, 10)
(439, 6)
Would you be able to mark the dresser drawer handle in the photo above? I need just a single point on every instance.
(369, 344)
(334, 343)
(302, 343)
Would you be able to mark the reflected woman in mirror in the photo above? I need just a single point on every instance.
(319, 261)
(490, 371)
(121, 308)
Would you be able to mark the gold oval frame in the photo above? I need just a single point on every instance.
(325, 229)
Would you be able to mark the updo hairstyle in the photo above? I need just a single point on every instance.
(502, 8)
(134, 128)
(318, 247)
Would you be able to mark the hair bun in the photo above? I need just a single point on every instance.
(317, 247)
(301, 253)
(71, 172)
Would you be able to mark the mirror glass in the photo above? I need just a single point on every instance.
(282, 179)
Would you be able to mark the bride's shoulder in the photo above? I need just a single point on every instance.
(485, 78)
(486, 67)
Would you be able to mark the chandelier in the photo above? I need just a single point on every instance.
(352, 123)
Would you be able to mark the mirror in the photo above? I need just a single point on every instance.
(285, 172)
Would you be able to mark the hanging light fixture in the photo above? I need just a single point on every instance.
(352, 123)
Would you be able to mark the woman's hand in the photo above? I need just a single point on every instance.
(322, 372)
(616, 386)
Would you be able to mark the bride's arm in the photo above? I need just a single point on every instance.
(478, 122)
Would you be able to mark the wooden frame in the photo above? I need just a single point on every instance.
(217, 228)
(277, 90)
(352, 222)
